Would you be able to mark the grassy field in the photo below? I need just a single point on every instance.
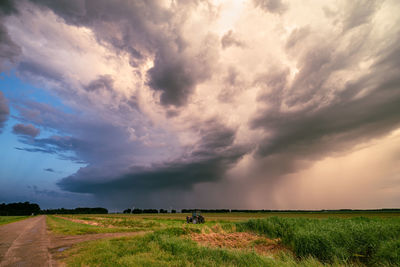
(371, 241)
(171, 247)
(240, 216)
(236, 239)
(232, 217)
(10, 219)
(65, 227)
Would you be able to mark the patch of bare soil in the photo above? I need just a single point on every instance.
(239, 240)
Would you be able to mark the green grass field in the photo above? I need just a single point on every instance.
(295, 239)
(231, 217)
(65, 227)
(10, 219)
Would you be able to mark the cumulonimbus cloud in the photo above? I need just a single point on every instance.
(8, 49)
(165, 107)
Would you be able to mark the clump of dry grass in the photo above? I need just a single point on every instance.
(94, 223)
(217, 237)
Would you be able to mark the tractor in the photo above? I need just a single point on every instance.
(195, 218)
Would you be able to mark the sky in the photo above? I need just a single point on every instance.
(259, 104)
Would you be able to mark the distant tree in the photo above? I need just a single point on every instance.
(150, 211)
(97, 210)
(17, 209)
(173, 211)
(127, 211)
(137, 211)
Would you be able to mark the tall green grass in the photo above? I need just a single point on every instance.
(169, 247)
(65, 227)
(359, 240)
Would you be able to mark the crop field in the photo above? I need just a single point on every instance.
(234, 239)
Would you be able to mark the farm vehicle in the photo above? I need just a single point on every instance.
(195, 218)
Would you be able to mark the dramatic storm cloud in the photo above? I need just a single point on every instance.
(241, 104)
(8, 49)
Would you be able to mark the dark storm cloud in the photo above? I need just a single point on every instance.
(363, 109)
(172, 175)
(4, 110)
(176, 74)
(7, 7)
(173, 79)
(359, 12)
(215, 139)
(8, 49)
(176, 78)
(207, 161)
(26, 129)
(317, 61)
(272, 6)
(143, 29)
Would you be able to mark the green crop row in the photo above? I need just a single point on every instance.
(356, 240)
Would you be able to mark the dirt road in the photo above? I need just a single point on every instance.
(25, 243)
(28, 243)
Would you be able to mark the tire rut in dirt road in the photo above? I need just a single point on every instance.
(25, 243)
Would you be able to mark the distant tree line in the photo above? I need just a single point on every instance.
(140, 211)
(26, 208)
(206, 210)
(97, 210)
(19, 209)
